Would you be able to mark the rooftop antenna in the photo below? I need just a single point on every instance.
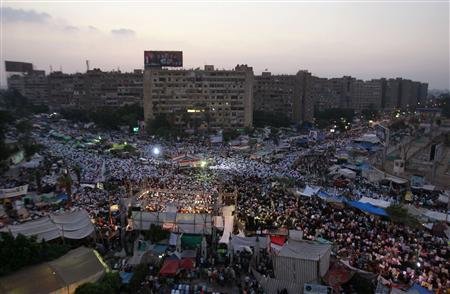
(87, 65)
(51, 68)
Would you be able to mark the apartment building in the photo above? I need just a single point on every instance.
(90, 90)
(289, 95)
(193, 97)
(32, 85)
(366, 95)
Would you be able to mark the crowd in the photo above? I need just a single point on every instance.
(395, 251)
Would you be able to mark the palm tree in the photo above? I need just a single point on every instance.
(37, 176)
(77, 170)
(65, 181)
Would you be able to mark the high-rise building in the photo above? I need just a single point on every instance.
(89, 90)
(366, 95)
(275, 94)
(288, 95)
(32, 85)
(343, 88)
(190, 98)
(325, 96)
(423, 93)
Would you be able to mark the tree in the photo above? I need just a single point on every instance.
(370, 113)
(263, 118)
(230, 134)
(21, 251)
(77, 170)
(38, 178)
(24, 126)
(65, 181)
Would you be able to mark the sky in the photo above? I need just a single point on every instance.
(330, 39)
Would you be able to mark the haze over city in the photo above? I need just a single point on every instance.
(366, 40)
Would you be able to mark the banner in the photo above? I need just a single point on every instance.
(13, 192)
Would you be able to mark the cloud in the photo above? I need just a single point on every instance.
(123, 32)
(21, 15)
(92, 28)
(71, 29)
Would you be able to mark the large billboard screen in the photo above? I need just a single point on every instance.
(163, 58)
(16, 66)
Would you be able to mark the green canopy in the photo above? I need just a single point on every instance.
(191, 241)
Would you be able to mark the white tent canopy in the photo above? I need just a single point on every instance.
(348, 173)
(375, 202)
(309, 191)
(435, 215)
(72, 225)
(239, 243)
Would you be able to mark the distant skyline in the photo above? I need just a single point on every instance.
(366, 39)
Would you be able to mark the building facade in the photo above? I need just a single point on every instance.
(288, 95)
(89, 90)
(32, 85)
(190, 98)
(366, 95)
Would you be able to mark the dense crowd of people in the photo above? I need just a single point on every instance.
(265, 199)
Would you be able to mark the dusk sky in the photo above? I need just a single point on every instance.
(365, 40)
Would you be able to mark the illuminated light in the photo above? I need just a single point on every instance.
(418, 264)
(370, 121)
(100, 259)
(99, 137)
(202, 163)
(331, 130)
(156, 151)
(114, 207)
(125, 143)
(397, 115)
(194, 110)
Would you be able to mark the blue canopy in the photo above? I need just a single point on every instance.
(126, 277)
(367, 207)
(325, 195)
(420, 289)
(62, 197)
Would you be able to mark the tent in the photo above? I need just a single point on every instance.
(309, 191)
(72, 225)
(278, 240)
(169, 268)
(375, 202)
(436, 216)
(301, 261)
(240, 243)
(62, 275)
(125, 277)
(416, 288)
(367, 207)
(348, 173)
(191, 241)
